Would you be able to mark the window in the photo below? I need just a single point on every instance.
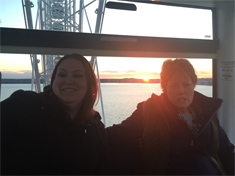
(159, 20)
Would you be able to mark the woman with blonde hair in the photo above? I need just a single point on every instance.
(178, 131)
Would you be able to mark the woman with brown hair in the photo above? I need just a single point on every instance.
(56, 132)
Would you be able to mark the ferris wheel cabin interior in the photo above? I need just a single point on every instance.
(54, 37)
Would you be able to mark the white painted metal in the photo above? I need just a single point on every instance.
(0, 87)
(204, 3)
(35, 73)
(55, 15)
(59, 15)
(226, 65)
(94, 63)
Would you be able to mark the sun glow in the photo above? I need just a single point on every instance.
(146, 78)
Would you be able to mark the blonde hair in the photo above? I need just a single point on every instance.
(170, 66)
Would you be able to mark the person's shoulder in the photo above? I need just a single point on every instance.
(96, 115)
(155, 97)
(22, 100)
(206, 101)
(199, 95)
(19, 104)
(22, 94)
(151, 100)
(96, 118)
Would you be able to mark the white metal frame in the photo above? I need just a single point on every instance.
(58, 15)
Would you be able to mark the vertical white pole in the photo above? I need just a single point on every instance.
(0, 87)
(99, 21)
(101, 99)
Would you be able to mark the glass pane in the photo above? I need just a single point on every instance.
(127, 81)
(59, 15)
(148, 20)
(159, 21)
(140, 75)
(12, 14)
(147, 68)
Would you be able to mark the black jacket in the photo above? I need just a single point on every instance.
(38, 138)
(163, 143)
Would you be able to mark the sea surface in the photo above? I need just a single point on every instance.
(119, 99)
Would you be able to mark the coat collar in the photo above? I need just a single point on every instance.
(205, 108)
(52, 99)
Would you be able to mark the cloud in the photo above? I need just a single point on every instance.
(108, 74)
(21, 74)
(204, 74)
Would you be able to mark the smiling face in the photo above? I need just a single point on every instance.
(180, 91)
(70, 84)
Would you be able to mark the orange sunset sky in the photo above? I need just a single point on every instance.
(153, 20)
(19, 66)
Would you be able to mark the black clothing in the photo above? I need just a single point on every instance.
(166, 145)
(38, 137)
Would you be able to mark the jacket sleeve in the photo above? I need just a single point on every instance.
(14, 121)
(124, 145)
(14, 106)
(226, 152)
(131, 128)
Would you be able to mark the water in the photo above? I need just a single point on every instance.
(8, 89)
(119, 100)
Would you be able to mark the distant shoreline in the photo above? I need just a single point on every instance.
(201, 81)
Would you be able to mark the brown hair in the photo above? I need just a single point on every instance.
(92, 94)
(170, 66)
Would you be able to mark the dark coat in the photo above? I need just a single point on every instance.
(163, 143)
(38, 138)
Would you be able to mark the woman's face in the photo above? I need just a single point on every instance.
(180, 91)
(70, 84)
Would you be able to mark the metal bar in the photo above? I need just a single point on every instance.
(87, 18)
(0, 89)
(23, 41)
(101, 98)
(29, 14)
(214, 78)
(35, 72)
(99, 20)
(74, 17)
(37, 17)
(78, 11)
(65, 16)
(24, 14)
(41, 16)
(32, 77)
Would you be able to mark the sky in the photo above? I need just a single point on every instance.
(159, 21)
